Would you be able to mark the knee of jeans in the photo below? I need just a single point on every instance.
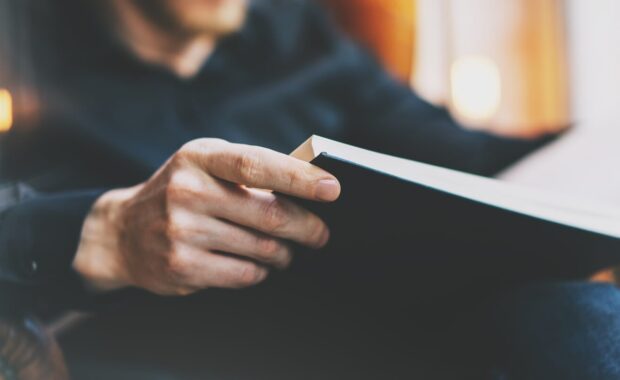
(582, 299)
(563, 330)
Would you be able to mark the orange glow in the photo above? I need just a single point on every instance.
(386, 26)
(476, 88)
(604, 276)
(6, 110)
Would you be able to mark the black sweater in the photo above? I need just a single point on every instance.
(108, 120)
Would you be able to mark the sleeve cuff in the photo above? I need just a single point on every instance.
(38, 240)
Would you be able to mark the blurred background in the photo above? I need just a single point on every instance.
(513, 66)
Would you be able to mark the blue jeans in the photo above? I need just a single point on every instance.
(537, 331)
(557, 331)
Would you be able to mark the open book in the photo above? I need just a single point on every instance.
(427, 216)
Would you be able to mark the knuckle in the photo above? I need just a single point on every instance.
(179, 156)
(295, 178)
(184, 187)
(174, 226)
(180, 177)
(274, 215)
(176, 265)
(249, 274)
(201, 144)
(267, 247)
(182, 156)
(173, 191)
(190, 146)
(186, 182)
(318, 232)
(246, 165)
(198, 147)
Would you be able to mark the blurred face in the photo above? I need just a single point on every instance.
(215, 17)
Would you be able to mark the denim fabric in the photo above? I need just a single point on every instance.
(558, 331)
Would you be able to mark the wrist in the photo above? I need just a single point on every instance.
(98, 260)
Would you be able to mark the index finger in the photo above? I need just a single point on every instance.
(267, 169)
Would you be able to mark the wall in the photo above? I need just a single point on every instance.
(385, 26)
(523, 39)
(594, 50)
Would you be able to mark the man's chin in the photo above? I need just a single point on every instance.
(221, 18)
(219, 28)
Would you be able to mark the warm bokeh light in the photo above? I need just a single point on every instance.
(6, 110)
(476, 88)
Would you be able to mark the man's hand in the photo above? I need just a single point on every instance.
(200, 221)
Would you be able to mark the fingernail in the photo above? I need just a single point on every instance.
(328, 190)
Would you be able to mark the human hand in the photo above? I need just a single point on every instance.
(201, 221)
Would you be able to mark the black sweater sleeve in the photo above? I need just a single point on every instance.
(391, 118)
(39, 234)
